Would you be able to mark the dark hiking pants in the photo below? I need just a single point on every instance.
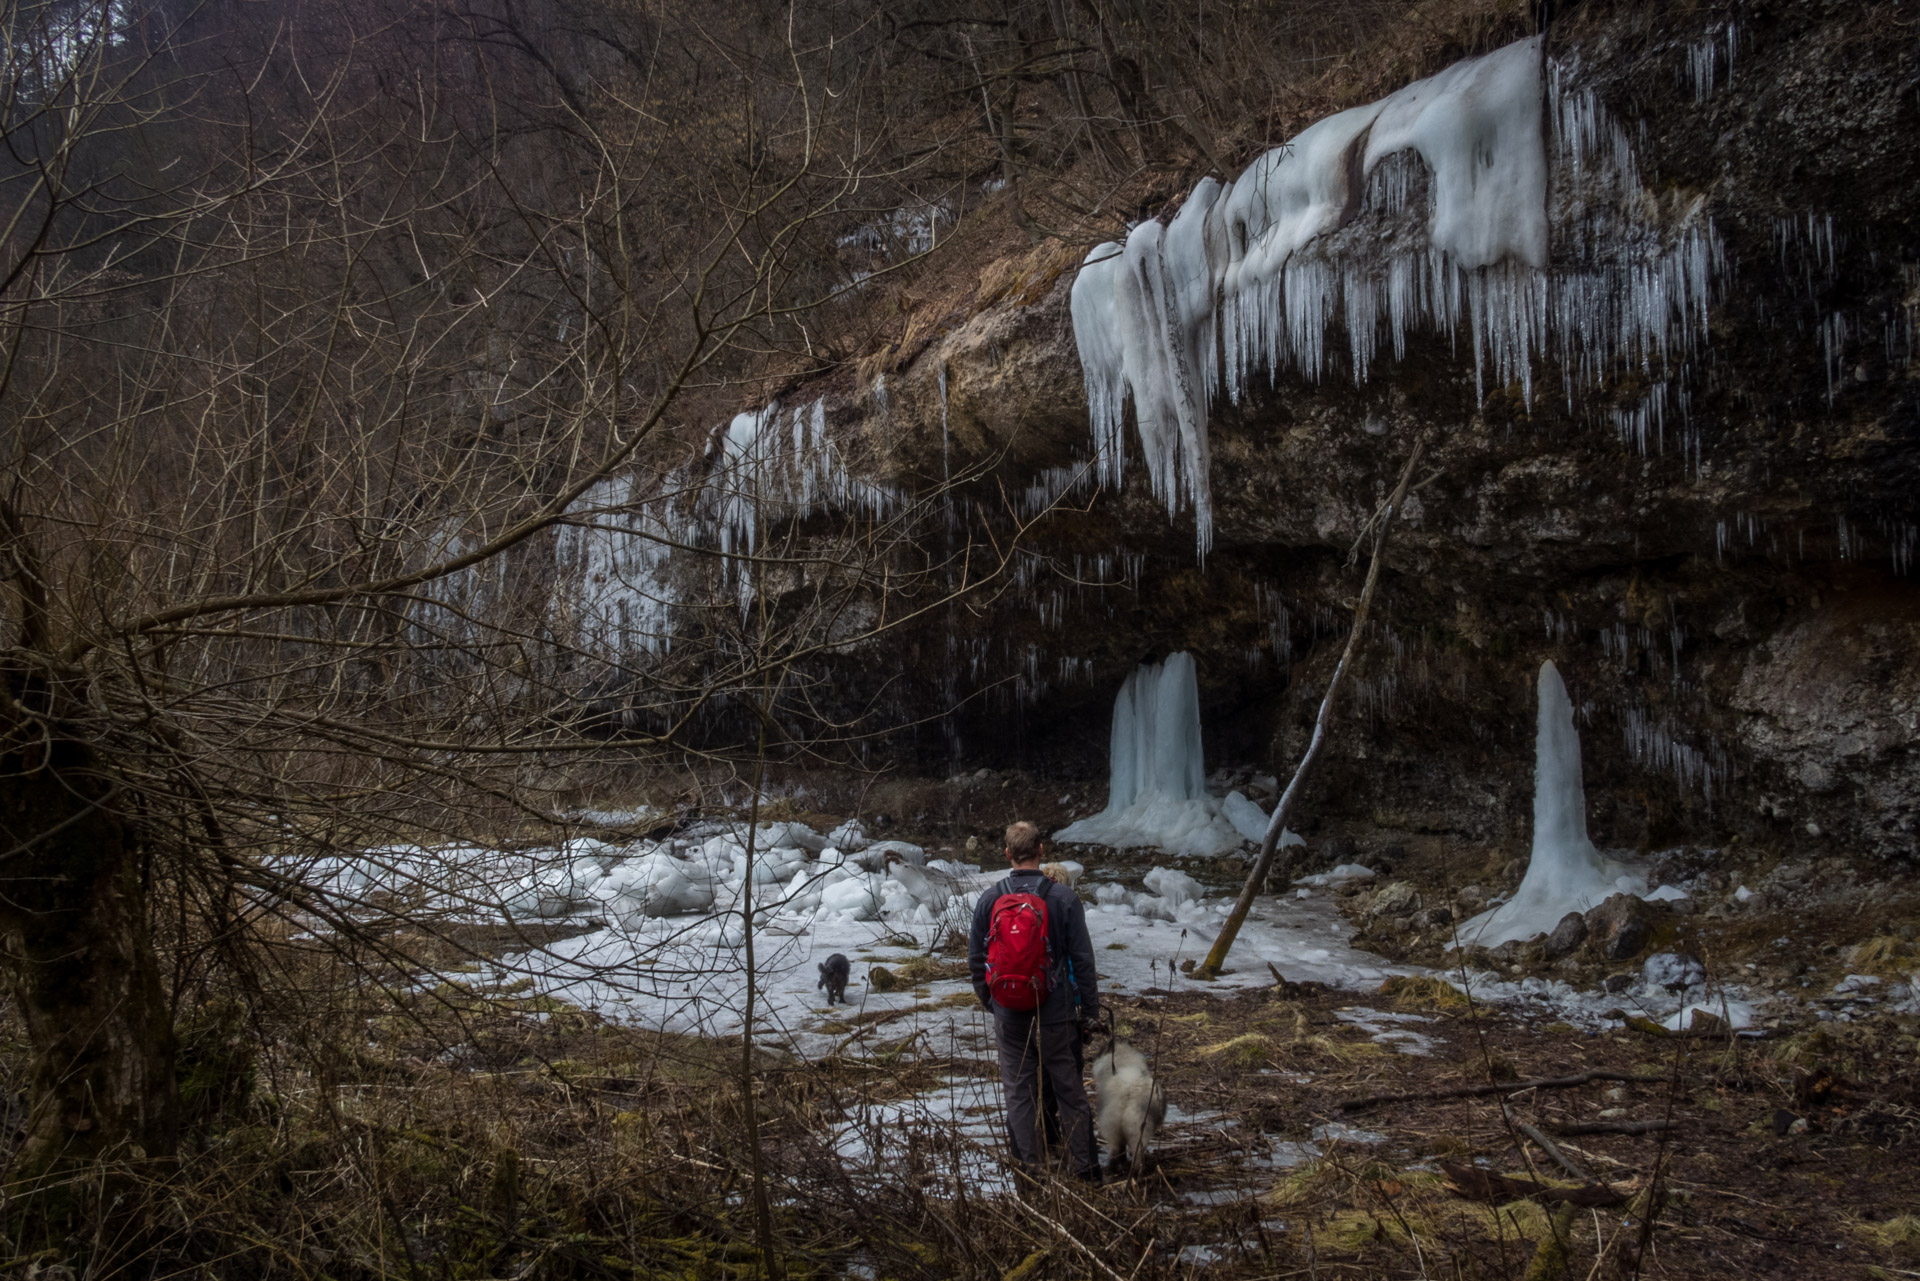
(1030, 1052)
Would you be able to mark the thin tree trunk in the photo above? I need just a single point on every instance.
(81, 964)
(1270, 844)
(749, 1106)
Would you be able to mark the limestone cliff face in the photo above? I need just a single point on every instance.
(1727, 581)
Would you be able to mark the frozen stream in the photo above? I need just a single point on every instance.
(658, 940)
(687, 974)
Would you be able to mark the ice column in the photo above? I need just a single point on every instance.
(1157, 781)
(1565, 873)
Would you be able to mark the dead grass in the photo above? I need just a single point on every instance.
(1423, 992)
(920, 970)
(1898, 1236)
(1884, 955)
(1249, 1050)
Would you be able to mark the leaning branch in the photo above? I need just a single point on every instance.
(1269, 846)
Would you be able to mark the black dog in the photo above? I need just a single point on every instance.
(833, 977)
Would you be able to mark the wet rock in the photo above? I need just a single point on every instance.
(1435, 918)
(1566, 937)
(1336, 850)
(1617, 983)
(1471, 899)
(1619, 928)
(1397, 899)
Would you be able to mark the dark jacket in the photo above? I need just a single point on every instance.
(1067, 926)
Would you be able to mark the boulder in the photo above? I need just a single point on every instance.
(1397, 899)
(1471, 898)
(1618, 928)
(1566, 937)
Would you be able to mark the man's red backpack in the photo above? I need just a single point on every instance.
(1019, 951)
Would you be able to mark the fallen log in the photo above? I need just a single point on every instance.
(1615, 1127)
(1484, 1185)
(1500, 1087)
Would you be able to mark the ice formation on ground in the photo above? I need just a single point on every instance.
(651, 933)
(1253, 275)
(1157, 792)
(1565, 873)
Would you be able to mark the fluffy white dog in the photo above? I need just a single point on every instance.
(1131, 1104)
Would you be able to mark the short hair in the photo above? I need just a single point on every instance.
(1023, 841)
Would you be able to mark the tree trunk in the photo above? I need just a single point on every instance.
(1283, 810)
(81, 964)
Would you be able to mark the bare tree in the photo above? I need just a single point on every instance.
(320, 331)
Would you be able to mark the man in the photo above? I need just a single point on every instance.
(1041, 1043)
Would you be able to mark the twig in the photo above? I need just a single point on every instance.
(1076, 1243)
(1144, 1254)
(1552, 1149)
(1499, 1087)
(1615, 1127)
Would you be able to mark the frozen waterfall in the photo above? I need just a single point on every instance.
(1565, 872)
(1451, 174)
(1157, 792)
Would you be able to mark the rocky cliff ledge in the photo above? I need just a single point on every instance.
(1715, 542)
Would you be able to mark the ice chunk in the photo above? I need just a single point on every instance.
(797, 835)
(923, 887)
(1112, 894)
(1674, 971)
(849, 836)
(1666, 894)
(1250, 820)
(1174, 886)
(896, 900)
(1565, 872)
(1151, 907)
(658, 884)
(855, 898)
(774, 866)
(1340, 875)
(880, 854)
(1735, 1014)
